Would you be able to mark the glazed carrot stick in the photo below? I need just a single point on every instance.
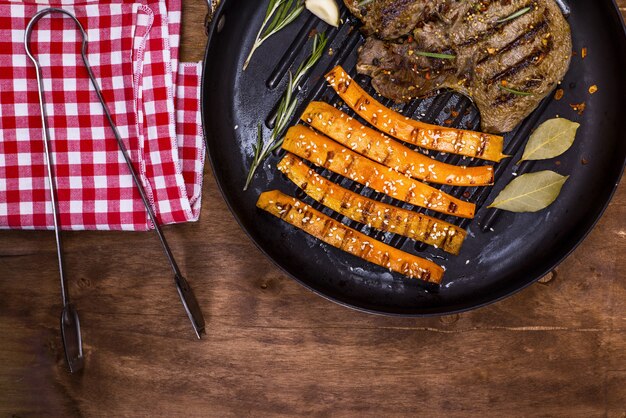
(438, 138)
(373, 213)
(324, 152)
(338, 235)
(391, 153)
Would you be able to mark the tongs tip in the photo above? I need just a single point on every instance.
(192, 307)
(72, 340)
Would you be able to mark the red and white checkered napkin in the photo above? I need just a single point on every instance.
(154, 100)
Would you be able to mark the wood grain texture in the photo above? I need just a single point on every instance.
(273, 348)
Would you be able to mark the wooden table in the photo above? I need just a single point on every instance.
(555, 349)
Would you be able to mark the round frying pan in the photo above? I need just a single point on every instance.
(504, 251)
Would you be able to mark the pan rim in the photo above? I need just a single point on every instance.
(579, 238)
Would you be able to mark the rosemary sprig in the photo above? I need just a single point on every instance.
(435, 55)
(286, 109)
(279, 14)
(513, 91)
(515, 15)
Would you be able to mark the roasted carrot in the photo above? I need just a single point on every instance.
(324, 152)
(438, 138)
(338, 235)
(378, 215)
(389, 152)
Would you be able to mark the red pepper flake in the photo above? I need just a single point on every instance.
(454, 113)
(448, 121)
(580, 107)
(557, 163)
(427, 76)
(466, 195)
(593, 89)
(558, 95)
(584, 161)
(583, 53)
(313, 32)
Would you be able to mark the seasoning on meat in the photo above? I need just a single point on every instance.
(490, 41)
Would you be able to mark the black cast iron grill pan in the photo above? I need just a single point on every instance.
(504, 252)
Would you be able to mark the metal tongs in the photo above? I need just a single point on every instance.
(70, 324)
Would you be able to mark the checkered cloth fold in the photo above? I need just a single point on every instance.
(154, 101)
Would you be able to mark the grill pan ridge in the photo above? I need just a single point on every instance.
(341, 277)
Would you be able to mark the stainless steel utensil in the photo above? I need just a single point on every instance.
(70, 323)
(70, 326)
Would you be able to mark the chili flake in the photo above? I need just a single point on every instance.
(583, 53)
(593, 89)
(558, 95)
(580, 107)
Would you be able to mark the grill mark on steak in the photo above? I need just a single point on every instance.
(490, 65)
(507, 98)
(497, 27)
(534, 58)
(395, 12)
(531, 53)
(520, 40)
(504, 98)
(391, 19)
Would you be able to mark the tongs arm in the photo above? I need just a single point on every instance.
(70, 324)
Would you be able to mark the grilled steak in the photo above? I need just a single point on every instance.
(506, 55)
(392, 19)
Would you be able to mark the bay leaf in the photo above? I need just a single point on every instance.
(530, 192)
(551, 139)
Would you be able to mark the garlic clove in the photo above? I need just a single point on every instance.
(327, 10)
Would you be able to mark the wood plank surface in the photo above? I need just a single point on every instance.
(274, 348)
